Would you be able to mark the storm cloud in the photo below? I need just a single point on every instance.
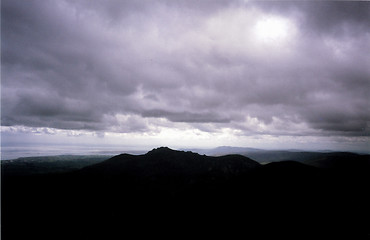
(277, 68)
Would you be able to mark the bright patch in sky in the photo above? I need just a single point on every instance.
(273, 29)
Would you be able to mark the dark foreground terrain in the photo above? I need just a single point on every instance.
(174, 194)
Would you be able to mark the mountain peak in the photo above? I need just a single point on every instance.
(161, 150)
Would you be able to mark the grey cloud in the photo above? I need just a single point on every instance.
(339, 17)
(323, 17)
(186, 116)
(80, 64)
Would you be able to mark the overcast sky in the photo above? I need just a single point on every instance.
(187, 73)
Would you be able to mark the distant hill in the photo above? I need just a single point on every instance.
(226, 150)
(266, 156)
(167, 193)
(49, 164)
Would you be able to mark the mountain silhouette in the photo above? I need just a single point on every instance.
(169, 194)
(167, 162)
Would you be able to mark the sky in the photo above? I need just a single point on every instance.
(264, 74)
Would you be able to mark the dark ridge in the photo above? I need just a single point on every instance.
(165, 162)
(343, 160)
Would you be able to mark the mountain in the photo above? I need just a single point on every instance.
(167, 162)
(170, 194)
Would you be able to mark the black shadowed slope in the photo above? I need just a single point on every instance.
(341, 160)
(174, 194)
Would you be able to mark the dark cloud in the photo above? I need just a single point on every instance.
(339, 17)
(186, 116)
(119, 65)
(323, 17)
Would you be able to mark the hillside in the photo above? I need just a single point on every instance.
(167, 193)
(343, 160)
